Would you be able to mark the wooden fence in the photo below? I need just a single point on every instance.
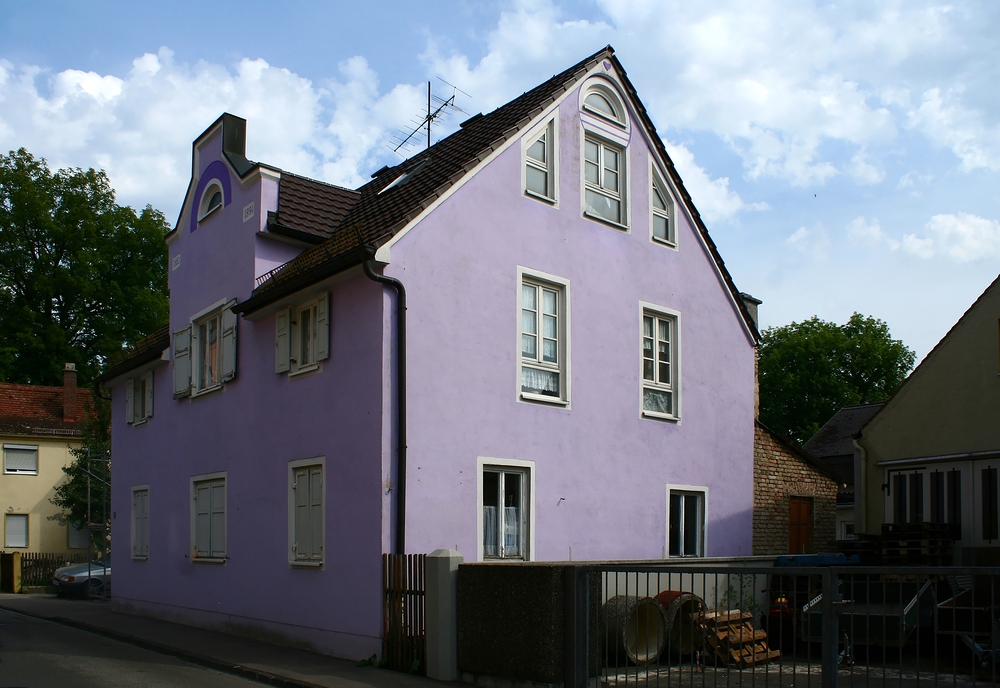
(404, 645)
(37, 567)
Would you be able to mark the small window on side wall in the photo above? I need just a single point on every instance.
(602, 101)
(302, 336)
(139, 399)
(661, 212)
(540, 163)
(686, 519)
(506, 508)
(212, 200)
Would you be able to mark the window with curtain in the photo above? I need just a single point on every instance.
(686, 523)
(505, 517)
(543, 336)
(604, 179)
(659, 364)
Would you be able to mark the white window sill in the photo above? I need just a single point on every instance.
(20, 473)
(137, 423)
(539, 197)
(306, 564)
(554, 401)
(209, 560)
(665, 242)
(208, 390)
(605, 221)
(304, 370)
(659, 416)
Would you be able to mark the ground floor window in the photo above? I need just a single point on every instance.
(140, 522)
(306, 515)
(15, 530)
(505, 510)
(208, 517)
(686, 512)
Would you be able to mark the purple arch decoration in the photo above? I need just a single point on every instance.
(217, 170)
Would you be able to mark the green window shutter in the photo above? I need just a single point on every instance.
(282, 341)
(182, 362)
(229, 319)
(130, 400)
(323, 327)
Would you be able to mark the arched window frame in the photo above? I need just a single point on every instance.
(205, 207)
(612, 98)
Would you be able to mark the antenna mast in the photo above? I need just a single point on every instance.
(427, 121)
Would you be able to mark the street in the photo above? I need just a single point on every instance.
(39, 653)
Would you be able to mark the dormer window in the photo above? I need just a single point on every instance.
(211, 201)
(602, 102)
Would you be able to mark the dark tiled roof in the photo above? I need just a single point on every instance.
(38, 410)
(311, 207)
(789, 446)
(380, 209)
(834, 438)
(147, 349)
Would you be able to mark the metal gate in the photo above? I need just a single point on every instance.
(404, 644)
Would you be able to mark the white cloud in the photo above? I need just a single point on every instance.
(947, 122)
(814, 242)
(712, 197)
(962, 237)
(865, 173)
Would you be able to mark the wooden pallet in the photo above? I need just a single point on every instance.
(733, 639)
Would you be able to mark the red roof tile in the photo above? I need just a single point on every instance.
(38, 410)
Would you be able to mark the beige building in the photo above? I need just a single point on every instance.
(38, 425)
(932, 453)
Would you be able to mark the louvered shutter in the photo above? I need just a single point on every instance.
(149, 394)
(16, 534)
(142, 522)
(182, 362)
(20, 459)
(316, 513)
(130, 400)
(202, 520)
(282, 341)
(300, 487)
(136, 537)
(219, 519)
(323, 327)
(228, 341)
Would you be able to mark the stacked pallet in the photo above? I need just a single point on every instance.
(733, 639)
(917, 544)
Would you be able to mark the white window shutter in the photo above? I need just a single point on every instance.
(229, 341)
(202, 520)
(136, 520)
(316, 513)
(144, 523)
(219, 520)
(323, 327)
(301, 546)
(282, 341)
(130, 400)
(182, 362)
(149, 394)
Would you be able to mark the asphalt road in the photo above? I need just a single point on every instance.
(35, 654)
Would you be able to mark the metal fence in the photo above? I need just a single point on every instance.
(790, 626)
(404, 644)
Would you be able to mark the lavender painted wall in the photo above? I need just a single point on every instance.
(251, 429)
(600, 469)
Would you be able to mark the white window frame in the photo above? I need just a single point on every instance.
(27, 531)
(703, 521)
(26, 447)
(198, 360)
(528, 468)
(139, 399)
(204, 210)
(614, 100)
(293, 466)
(550, 130)
(561, 286)
(604, 142)
(140, 528)
(656, 183)
(220, 476)
(674, 387)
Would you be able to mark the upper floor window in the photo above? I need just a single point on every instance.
(604, 180)
(543, 339)
(661, 210)
(540, 163)
(20, 458)
(302, 336)
(660, 371)
(211, 200)
(205, 351)
(139, 398)
(602, 101)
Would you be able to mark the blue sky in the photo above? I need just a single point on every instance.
(846, 156)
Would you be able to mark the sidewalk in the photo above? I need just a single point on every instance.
(272, 664)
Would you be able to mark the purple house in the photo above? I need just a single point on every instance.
(520, 343)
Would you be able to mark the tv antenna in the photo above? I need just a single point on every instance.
(436, 108)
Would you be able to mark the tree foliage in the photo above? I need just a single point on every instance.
(810, 370)
(85, 496)
(81, 277)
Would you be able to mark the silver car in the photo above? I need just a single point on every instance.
(84, 580)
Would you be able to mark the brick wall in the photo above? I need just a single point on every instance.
(779, 472)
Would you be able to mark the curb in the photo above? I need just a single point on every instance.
(259, 675)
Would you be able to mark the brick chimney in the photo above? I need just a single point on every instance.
(69, 393)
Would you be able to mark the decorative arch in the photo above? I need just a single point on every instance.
(217, 173)
(601, 99)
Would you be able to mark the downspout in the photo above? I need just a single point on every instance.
(861, 483)
(369, 268)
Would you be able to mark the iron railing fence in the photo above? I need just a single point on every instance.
(789, 626)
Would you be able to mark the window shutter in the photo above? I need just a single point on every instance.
(143, 527)
(136, 533)
(130, 400)
(202, 520)
(301, 547)
(219, 519)
(323, 327)
(282, 341)
(316, 513)
(149, 394)
(182, 362)
(228, 341)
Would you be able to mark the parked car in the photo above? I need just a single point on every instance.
(84, 580)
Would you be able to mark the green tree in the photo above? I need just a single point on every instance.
(810, 370)
(85, 496)
(81, 277)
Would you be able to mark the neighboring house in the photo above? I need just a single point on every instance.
(932, 453)
(794, 497)
(570, 374)
(833, 444)
(38, 427)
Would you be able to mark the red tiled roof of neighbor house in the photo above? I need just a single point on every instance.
(38, 410)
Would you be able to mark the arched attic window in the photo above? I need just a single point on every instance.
(211, 200)
(601, 101)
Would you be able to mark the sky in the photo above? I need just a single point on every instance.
(844, 155)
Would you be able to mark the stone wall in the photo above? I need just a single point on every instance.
(779, 472)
